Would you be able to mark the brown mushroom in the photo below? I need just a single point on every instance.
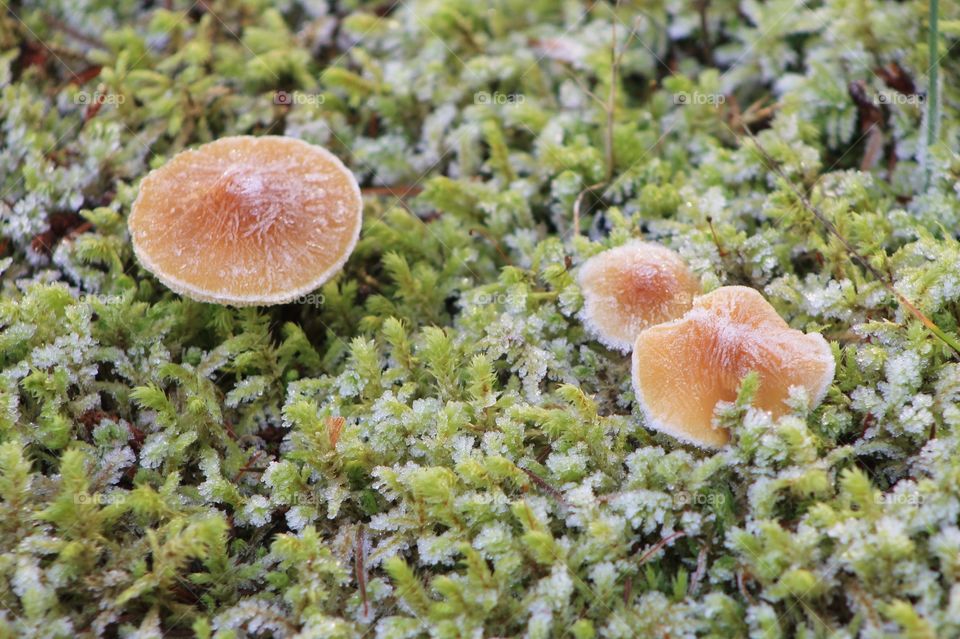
(683, 368)
(247, 220)
(628, 288)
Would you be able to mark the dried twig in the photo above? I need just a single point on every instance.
(577, 203)
(742, 587)
(897, 78)
(247, 466)
(542, 483)
(716, 238)
(660, 544)
(59, 25)
(699, 572)
(334, 427)
(496, 244)
(361, 570)
(757, 112)
(871, 124)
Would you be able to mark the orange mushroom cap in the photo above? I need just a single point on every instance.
(681, 369)
(247, 220)
(628, 288)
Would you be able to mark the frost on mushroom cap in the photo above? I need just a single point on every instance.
(628, 288)
(247, 220)
(681, 369)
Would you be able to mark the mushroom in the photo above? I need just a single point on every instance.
(683, 368)
(247, 220)
(628, 288)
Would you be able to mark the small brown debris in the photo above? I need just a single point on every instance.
(334, 427)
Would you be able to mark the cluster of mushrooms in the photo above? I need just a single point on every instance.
(264, 220)
(691, 351)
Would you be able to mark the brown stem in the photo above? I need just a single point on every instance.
(496, 244)
(247, 466)
(361, 570)
(660, 544)
(716, 238)
(542, 483)
(55, 23)
(579, 201)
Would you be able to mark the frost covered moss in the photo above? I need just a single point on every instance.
(432, 445)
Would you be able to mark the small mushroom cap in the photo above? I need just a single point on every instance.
(681, 369)
(628, 288)
(247, 220)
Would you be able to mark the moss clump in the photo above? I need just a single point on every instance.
(431, 445)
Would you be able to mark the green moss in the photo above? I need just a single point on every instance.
(172, 467)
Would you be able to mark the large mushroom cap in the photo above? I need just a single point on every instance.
(628, 288)
(681, 369)
(247, 220)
